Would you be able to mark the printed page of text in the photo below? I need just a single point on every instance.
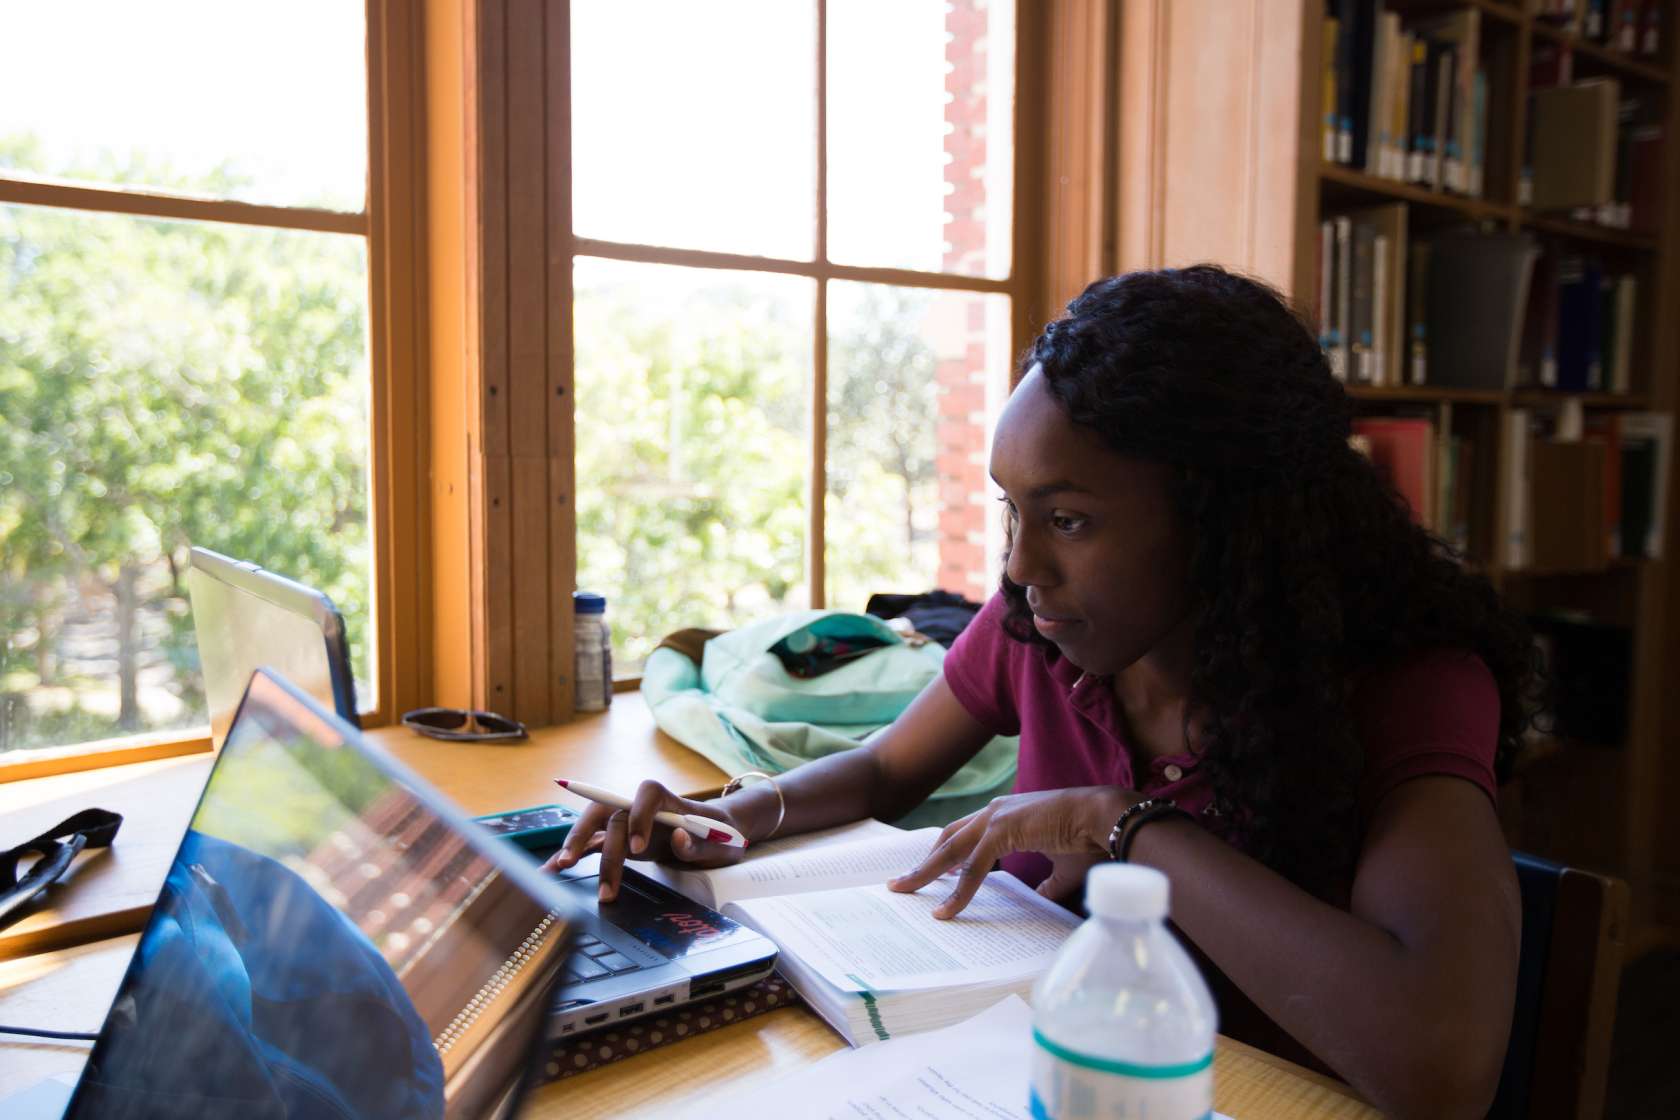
(768, 869)
(871, 938)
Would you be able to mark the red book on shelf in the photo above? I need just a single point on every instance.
(1607, 429)
(1645, 176)
(1550, 65)
(1403, 449)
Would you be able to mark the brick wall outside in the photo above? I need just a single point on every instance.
(960, 371)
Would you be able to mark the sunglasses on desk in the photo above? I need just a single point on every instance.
(463, 725)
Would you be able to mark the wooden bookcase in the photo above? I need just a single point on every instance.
(1596, 806)
(1220, 158)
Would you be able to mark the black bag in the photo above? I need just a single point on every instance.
(941, 615)
(57, 847)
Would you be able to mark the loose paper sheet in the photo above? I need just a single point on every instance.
(976, 1070)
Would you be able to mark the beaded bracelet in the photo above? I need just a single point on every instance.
(1134, 818)
(738, 782)
(1163, 808)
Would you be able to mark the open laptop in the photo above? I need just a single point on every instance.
(648, 950)
(333, 939)
(244, 617)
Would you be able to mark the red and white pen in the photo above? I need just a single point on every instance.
(703, 828)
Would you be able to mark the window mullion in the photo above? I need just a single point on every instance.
(160, 204)
(819, 326)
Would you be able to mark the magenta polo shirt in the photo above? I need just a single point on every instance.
(1435, 713)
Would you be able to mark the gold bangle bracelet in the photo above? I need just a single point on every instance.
(738, 782)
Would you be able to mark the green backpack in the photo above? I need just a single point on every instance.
(742, 708)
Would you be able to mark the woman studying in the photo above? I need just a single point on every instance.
(1231, 655)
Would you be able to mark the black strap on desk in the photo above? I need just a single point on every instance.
(57, 847)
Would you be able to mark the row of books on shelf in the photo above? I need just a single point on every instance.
(1633, 27)
(1405, 97)
(1580, 489)
(1432, 472)
(1578, 326)
(1591, 148)
(1584, 489)
(1470, 310)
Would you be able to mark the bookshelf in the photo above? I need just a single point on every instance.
(1613, 61)
(1251, 193)
(1597, 235)
(1590, 803)
(1349, 186)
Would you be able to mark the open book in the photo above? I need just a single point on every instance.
(872, 962)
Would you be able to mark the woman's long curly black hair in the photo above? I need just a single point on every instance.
(1306, 567)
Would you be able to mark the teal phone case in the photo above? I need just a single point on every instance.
(538, 838)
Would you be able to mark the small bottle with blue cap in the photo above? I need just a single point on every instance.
(592, 652)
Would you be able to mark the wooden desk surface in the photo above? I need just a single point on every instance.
(68, 964)
(616, 748)
(1248, 1084)
(108, 891)
(71, 989)
(64, 990)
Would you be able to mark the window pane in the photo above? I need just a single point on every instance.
(693, 444)
(694, 125)
(165, 384)
(257, 102)
(921, 134)
(915, 380)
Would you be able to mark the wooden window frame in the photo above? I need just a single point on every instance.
(498, 158)
(505, 547)
(392, 221)
(824, 271)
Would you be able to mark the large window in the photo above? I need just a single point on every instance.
(184, 354)
(793, 292)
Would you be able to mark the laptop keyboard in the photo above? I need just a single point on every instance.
(593, 958)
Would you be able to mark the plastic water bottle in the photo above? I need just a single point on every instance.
(592, 659)
(1123, 1025)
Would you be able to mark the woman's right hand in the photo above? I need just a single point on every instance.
(632, 833)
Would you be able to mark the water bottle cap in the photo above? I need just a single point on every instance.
(589, 602)
(1126, 891)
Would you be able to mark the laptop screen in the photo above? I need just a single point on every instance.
(330, 941)
(244, 617)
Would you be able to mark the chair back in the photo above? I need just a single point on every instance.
(1574, 929)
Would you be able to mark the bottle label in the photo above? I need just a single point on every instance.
(592, 665)
(1068, 1085)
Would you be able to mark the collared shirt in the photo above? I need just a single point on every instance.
(1432, 713)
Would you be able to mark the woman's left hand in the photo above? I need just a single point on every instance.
(1058, 823)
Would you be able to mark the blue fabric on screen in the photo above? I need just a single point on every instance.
(264, 999)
